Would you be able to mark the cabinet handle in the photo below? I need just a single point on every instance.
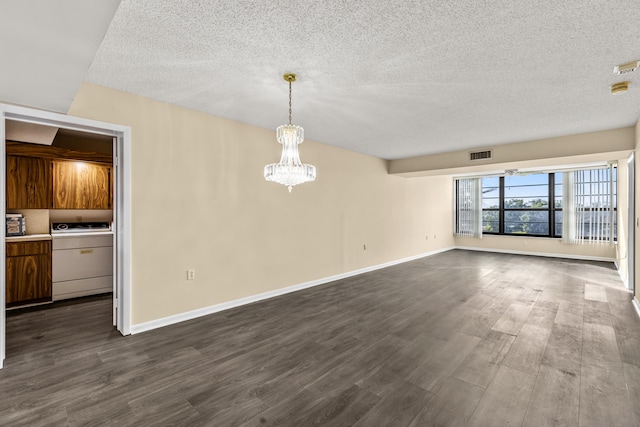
(86, 251)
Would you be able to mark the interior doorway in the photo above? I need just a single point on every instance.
(631, 224)
(120, 137)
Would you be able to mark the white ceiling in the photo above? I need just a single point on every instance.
(388, 78)
(47, 47)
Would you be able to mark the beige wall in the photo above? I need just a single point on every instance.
(587, 147)
(554, 153)
(199, 200)
(616, 140)
(538, 245)
(613, 144)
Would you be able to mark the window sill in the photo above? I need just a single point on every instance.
(529, 236)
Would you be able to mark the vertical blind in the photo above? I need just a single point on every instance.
(469, 207)
(588, 202)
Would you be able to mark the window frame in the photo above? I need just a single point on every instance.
(551, 208)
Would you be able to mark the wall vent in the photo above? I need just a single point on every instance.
(481, 155)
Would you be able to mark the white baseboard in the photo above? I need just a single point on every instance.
(189, 315)
(636, 305)
(543, 254)
(625, 280)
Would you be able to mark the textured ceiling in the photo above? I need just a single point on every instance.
(47, 47)
(388, 78)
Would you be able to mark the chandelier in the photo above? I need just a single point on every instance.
(290, 170)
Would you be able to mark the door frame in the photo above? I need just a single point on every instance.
(631, 224)
(121, 212)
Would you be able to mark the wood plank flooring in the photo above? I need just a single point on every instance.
(460, 338)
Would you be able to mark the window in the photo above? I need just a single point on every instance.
(520, 205)
(591, 205)
(532, 205)
(557, 204)
(468, 207)
(491, 196)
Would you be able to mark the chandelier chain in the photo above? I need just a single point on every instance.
(289, 101)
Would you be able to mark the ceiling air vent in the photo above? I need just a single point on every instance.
(480, 155)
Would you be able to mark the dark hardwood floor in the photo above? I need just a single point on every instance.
(459, 338)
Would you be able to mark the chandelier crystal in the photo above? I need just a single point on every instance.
(290, 170)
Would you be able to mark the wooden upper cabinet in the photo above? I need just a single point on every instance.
(28, 183)
(80, 185)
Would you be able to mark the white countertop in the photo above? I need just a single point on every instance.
(28, 238)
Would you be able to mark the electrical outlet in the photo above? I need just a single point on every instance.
(191, 274)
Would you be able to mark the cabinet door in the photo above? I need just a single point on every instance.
(80, 185)
(28, 183)
(28, 279)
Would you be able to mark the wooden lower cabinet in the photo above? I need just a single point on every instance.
(28, 278)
